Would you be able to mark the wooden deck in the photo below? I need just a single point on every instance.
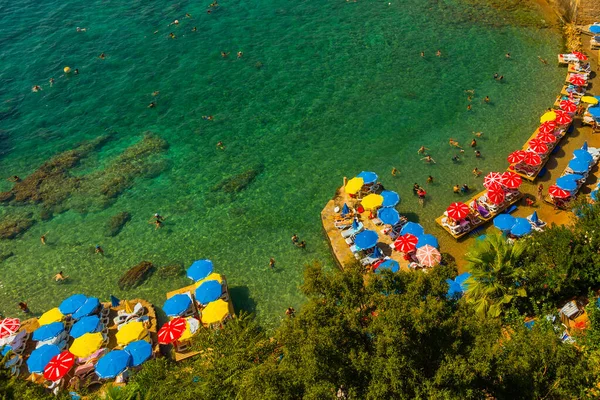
(482, 221)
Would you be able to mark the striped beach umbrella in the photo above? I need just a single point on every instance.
(547, 127)
(547, 137)
(59, 366)
(511, 180)
(580, 56)
(9, 326)
(406, 243)
(577, 80)
(568, 106)
(428, 256)
(538, 146)
(171, 331)
(563, 118)
(516, 156)
(532, 158)
(491, 179)
(458, 210)
(496, 195)
(559, 193)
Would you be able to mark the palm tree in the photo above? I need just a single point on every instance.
(496, 275)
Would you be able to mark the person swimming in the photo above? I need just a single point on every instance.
(476, 172)
(422, 150)
(477, 154)
(240, 54)
(102, 56)
(51, 81)
(207, 117)
(155, 93)
(428, 159)
(172, 35)
(416, 188)
(14, 178)
(487, 99)
(99, 250)
(60, 277)
(220, 146)
(473, 143)
(430, 179)
(456, 189)
(224, 55)
(81, 29)
(152, 105)
(36, 88)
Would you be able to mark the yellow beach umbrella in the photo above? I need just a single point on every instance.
(86, 345)
(212, 277)
(215, 312)
(131, 332)
(372, 201)
(50, 316)
(589, 99)
(354, 185)
(549, 116)
(191, 328)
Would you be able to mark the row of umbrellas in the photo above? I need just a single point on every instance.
(413, 238)
(515, 226)
(354, 185)
(567, 184)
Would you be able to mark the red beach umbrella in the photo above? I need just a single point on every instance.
(406, 243)
(516, 156)
(458, 210)
(538, 146)
(171, 331)
(491, 179)
(511, 180)
(496, 195)
(580, 56)
(559, 193)
(9, 326)
(568, 106)
(564, 119)
(428, 256)
(546, 137)
(547, 127)
(577, 80)
(532, 158)
(59, 365)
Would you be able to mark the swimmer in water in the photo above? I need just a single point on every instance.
(220, 146)
(207, 117)
(240, 54)
(224, 55)
(155, 93)
(76, 72)
(430, 179)
(102, 56)
(81, 29)
(14, 178)
(477, 154)
(454, 143)
(422, 54)
(469, 107)
(176, 22)
(478, 134)
(194, 29)
(394, 171)
(172, 35)
(476, 172)
(99, 250)
(487, 99)
(438, 53)
(473, 143)
(507, 55)
(36, 88)
(428, 159)
(152, 105)
(51, 81)
(422, 150)
(456, 189)
(187, 15)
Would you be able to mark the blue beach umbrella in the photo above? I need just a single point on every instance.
(390, 264)
(368, 177)
(72, 303)
(388, 216)
(90, 306)
(85, 325)
(579, 166)
(594, 194)
(595, 111)
(208, 291)
(355, 224)
(200, 269)
(454, 290)
(177, 305)
(522, 227)
(390, 198)
(366, 239)
(566, 183)
(575, 177)
(140, 351)
(114, 301)
(427, 239)
(585, 146)
(580, 153)
(504, 222)
(113, 363)
(49, 331)
(345, 209)
(377, 253)
(534, 217)
(595, 28)
(412, 228)
(40, 357)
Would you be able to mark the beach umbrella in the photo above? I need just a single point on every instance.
(458, 210)
(547, 137)
(215, 312)
(516, 156)
(91, 305)
(566, 183)
(538, 146)
(532, 158)
(427, 240)
(199, 269)
(388, 216)
(458, 285)
(50, 316)
(113, 363)
(390, 264)
(577, 80)
(9, 326)
(559, 193)
(354, 185)
(372, 201)
(212, 277)
(491, 179)
(366, 239)
(580, 56)
(139, 351)
(511, 180)
(406, 243)
(86, 344)
(131, 332)
(428, 256)
(390, 198)
(574, 177)
(345, 209)
(355, 224)
(521, 227)
(85, 325)
(171, 331)
(40, 357)
(59, 366)
(48, 331)
(548, 116)
(579, 166)
(564, 119)
(594, 111)
(534, 217)
(547, 127)
(585, 146)
(496, 195)
(177, 305)
(208, 291)
(368, 177)
(583, 154)
(412, 228)
(114, 301)
(568, 106)
(504, 222)
(595, 28)
(589, 99)
(72, 303)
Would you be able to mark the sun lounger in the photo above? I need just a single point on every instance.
(19, 342)
(14, 364)
(122, 317)
(567, 58)
(351, 232)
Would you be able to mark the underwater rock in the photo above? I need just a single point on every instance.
(116, 223)
(135, 276)
(11, 228)
(169, 271)
(238, 182)
(5, 254)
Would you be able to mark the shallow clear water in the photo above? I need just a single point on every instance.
(323, 90)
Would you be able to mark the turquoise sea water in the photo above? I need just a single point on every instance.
(323, 90)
